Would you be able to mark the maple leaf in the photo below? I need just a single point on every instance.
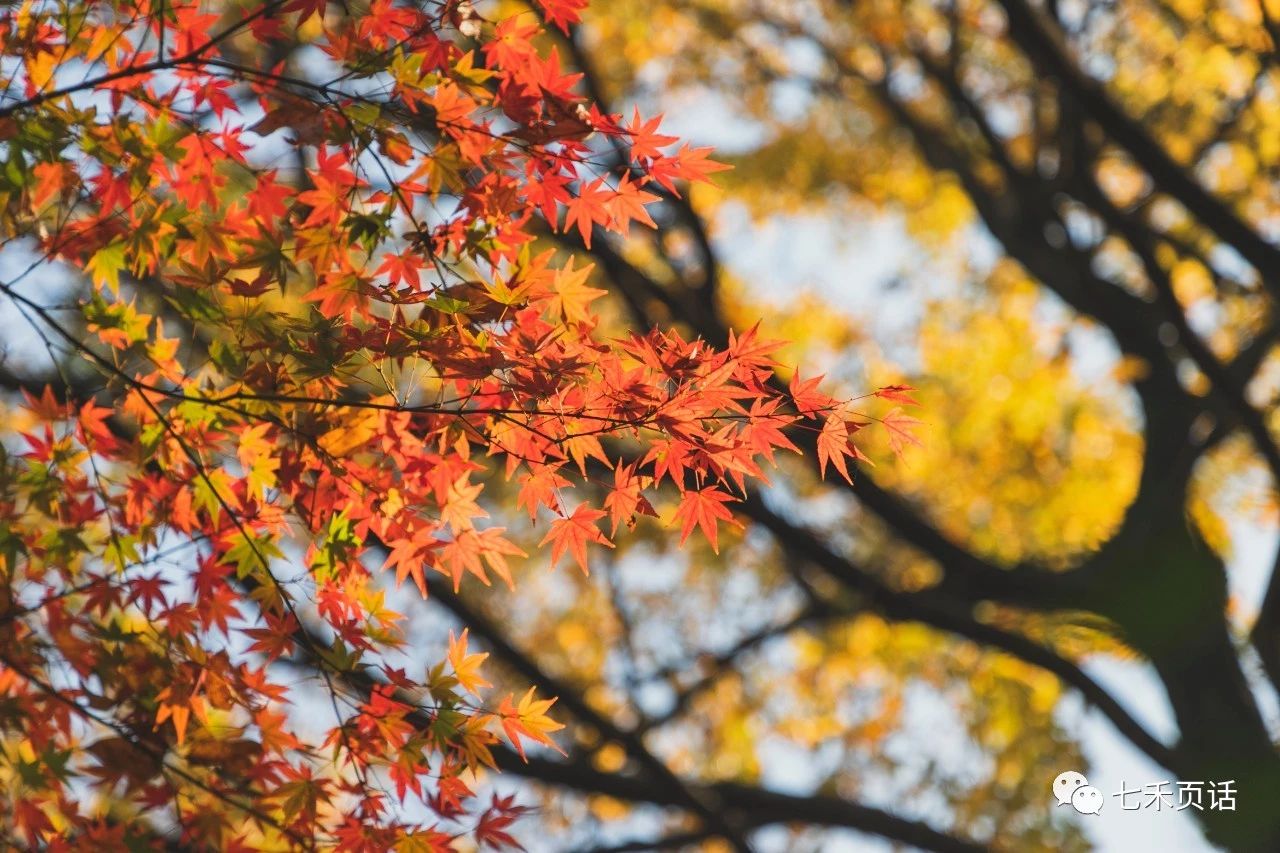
(386, 22)
(833, 446)
(626, 500)
(31, 818)
(899, 426)
(96, 422)
(106, 265)
(350, 434)
(563, 13)
(275, 640)
(402, 267)
(172, 705)
(806, 397)
(340, 296)
(255, 454)
(306, 8)
(763, 432)
(50, 180)
(589, 207)
(46, 407)
(548, 188)
(646, 143)
(298, 115)
(408, 555)
(573, 532)
(898, 394)
(150, 591)
(494, 549)
(540, 488)
(529, 720)
(466, 668)
(628, 204)
(748, 348)
(460, 504)
(690, 164)
(571, 294)
(491, 829)
(703, 508)
(450, 793)
(329, 201)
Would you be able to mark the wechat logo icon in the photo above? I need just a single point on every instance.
(1072, 789)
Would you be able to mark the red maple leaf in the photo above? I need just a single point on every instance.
(573, 532)
(703, 508)
(590, 207)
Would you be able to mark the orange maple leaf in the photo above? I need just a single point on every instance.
(571, 294)
(702, 507)
(529, 719)
(573, 532)
(466, 668)
(898, 394)
(833, 446)
(589, 207)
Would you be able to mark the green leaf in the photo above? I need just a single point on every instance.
(105, 265)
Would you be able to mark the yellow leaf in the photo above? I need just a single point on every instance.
(40, 68)
(466, 668)
(351, 435)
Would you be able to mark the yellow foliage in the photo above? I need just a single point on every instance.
(1033, 461)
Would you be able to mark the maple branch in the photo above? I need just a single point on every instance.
(155, 755)
(224, 401)
(704, 291)
(967, 573)
(1023, 584)
(744, 805)
(192, 57)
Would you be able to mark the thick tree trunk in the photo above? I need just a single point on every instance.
(1167, 597)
